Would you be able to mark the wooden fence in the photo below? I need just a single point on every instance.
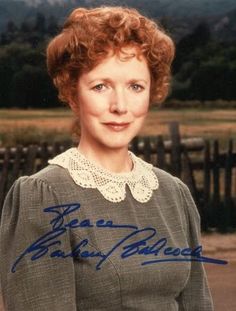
(209, 173)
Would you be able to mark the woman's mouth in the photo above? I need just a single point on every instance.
(117, 127)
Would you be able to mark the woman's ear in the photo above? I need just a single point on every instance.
(74, 105)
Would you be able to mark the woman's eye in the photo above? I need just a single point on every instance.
(99, 87)
(137, 87)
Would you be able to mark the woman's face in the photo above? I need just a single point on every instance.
(113, 100)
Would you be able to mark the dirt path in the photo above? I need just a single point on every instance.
(221, 278)
(222, 281)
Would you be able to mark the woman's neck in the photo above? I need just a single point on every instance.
(113, 160)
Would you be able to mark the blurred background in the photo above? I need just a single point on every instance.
(192, 134)
(204, 75)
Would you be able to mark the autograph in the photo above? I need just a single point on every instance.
(143, 246)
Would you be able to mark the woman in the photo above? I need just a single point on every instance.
(99, 228)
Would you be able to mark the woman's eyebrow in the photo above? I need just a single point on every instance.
(138, 80)
(109, 80)
(100, 79)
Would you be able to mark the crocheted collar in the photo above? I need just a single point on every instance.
(87, 174)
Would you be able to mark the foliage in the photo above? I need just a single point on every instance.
(23, 75)
(206, 72)
(204, 68)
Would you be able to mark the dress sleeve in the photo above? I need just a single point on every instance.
(196, 295)
(33, 285)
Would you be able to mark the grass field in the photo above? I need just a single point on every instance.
(26, 126)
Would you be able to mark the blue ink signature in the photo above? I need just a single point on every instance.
(143, 247)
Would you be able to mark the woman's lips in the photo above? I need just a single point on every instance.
(116, 126)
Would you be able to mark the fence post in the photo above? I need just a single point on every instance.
(147, 149)
(4, 177)
(135, 145)
(175, 149)
(187, 175)
(17, 164)
(30, 160)
(228, 206)
(55, 149)
(160, 150)
(44, 155)
(219, 211)
(206, 189)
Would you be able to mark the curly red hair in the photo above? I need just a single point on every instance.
(89, 34)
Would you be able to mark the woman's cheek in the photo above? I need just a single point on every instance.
(97, 105)
(141, 110)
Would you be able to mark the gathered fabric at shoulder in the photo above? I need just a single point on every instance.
(87, 174)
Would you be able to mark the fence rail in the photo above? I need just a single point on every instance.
(209, 173)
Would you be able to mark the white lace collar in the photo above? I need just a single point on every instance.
(87, 174)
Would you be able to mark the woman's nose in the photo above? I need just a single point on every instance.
(119, 102)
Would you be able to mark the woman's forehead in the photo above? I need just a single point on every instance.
(112, 68)
(121, 54)
(127, 51)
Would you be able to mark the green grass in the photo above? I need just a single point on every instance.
(31, 135)
(35, 126)
(35, 114)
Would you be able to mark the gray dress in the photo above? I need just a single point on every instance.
(64, 247)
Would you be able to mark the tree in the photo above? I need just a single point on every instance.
(23, 78)
(25, 27)
(5, 81)
(204, 85)
(31, 88)
(197, 39)
(11, 27)
(52, 28)
(40, 23)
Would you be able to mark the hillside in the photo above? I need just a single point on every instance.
(203, 69)
(155, 7)
(180, 17)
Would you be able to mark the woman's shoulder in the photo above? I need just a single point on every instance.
(174, 188)
(168, 181)
(40, 189)
(50, 176)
